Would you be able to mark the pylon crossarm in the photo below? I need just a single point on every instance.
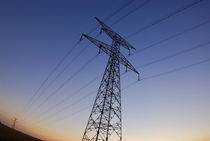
(116, 37)
(107, 49)
(101, 45)
(126, 63)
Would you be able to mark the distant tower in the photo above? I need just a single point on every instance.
(14, 123)
(105, 121)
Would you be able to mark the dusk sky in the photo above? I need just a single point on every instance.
(172, 41)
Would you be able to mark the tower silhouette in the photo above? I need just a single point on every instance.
(14, 123)
(105, 121)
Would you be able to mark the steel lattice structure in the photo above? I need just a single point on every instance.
(105, 121)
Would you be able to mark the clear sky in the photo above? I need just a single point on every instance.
(172, 106)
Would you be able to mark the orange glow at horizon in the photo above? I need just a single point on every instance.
(48, 134)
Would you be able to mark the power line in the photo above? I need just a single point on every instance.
(69, 52)
(127, 14)
(176, 69)
(172, 37)
(121, 18)
(124, 16)
(175, 54)
(153, 23)
(58, 75)
(170, 71)
(172, 55)
(144, 65)
(91, 105)
(70, 105)
(197, 2)
(151, 62)
(146, 78)
(130, 12)
(75, 113)
(65, 82)
(70, 96)
(113, 14)
(67, 66)
(164, 18)
(29, 103)
(119, 9)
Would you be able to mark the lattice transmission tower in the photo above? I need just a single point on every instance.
(14, 123)
(105, 121)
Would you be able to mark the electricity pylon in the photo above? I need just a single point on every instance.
(14, 123)
(105, 121)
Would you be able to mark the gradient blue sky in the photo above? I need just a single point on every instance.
(35, 35)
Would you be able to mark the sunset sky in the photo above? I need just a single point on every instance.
(171, 103)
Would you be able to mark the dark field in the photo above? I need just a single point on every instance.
(9, 134)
